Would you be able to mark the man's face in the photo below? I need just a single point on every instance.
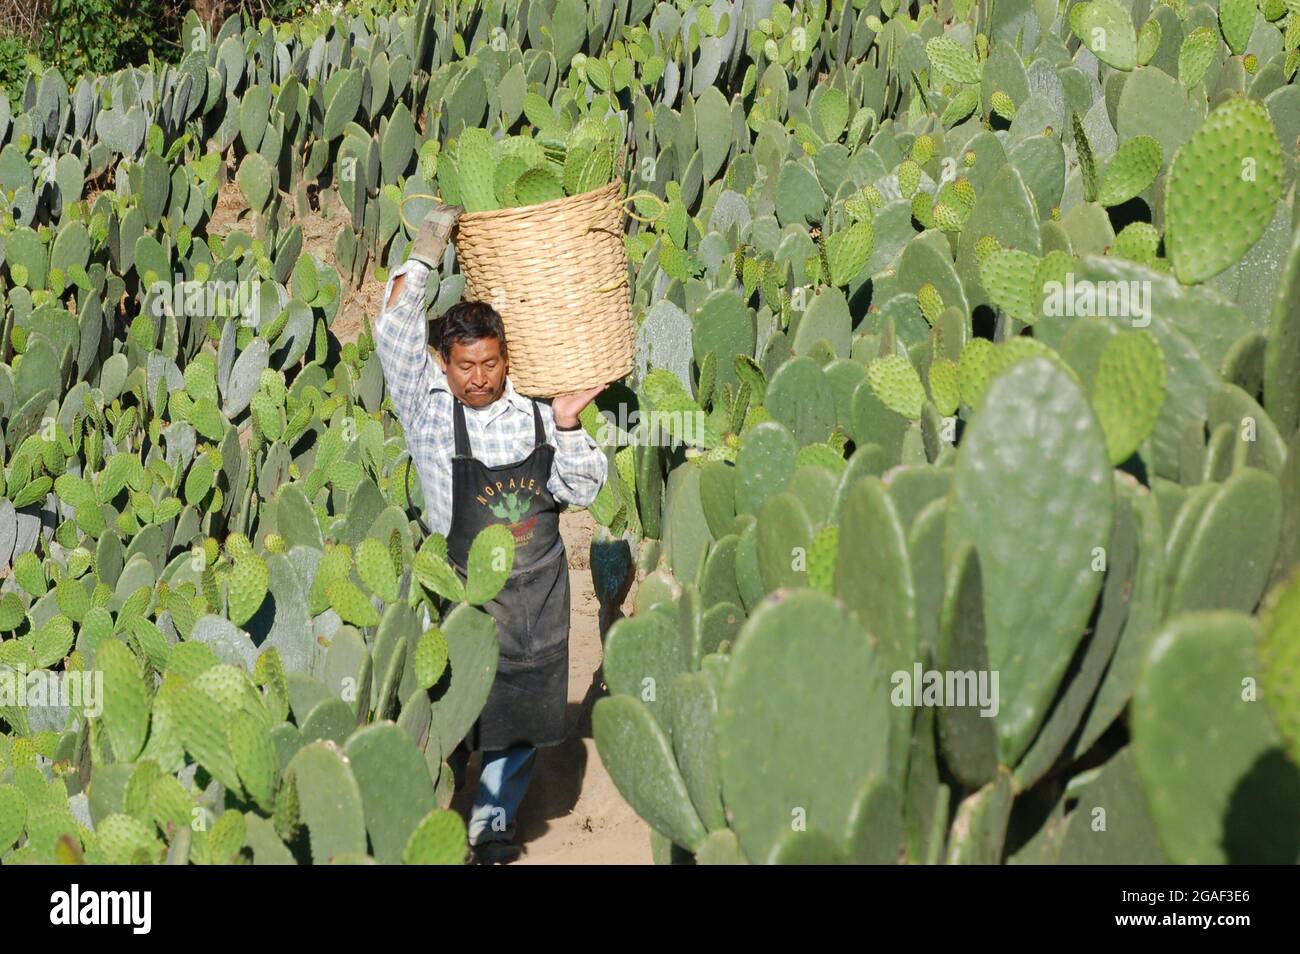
(476, 371)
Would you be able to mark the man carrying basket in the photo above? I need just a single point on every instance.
(486, 454)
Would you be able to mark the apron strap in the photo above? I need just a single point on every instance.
(462, 436)
(539, 432)
(419, 517)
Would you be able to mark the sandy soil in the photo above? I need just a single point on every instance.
(227, 214)
(572, 813)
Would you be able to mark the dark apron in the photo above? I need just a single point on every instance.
(527, 702)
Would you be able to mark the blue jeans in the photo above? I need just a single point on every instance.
(502, 782)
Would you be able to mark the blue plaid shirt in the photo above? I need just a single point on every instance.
(499, 434)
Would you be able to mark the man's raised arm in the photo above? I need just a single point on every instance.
(401, 331)
(402, 340)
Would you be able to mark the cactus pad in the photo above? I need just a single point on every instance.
(246, 585)
(329, 800)
(126, 699)
(1034, 448)
(440, 839)
(1106, 29)
(944, 389)
(1128, 391)
(953, 61)
(1237, 21)
(1009, 276)
(897, 385)
(430, 657)
(255, 759)
(789, 751)
(848, 252)
(1133, 167)
(1230, 174)
(1279, 655)
(1196, 55)
(639, 758)
(491, 558)
(1191, 689)
(396, 790)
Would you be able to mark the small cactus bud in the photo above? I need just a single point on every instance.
(857, 207)
(946, 218)
(237, 546)
(1003, 105)
(985, 246)
(931, 302)
(923, 209)
(740, 263)
(964, 191)
(909, 177)
(922, 149)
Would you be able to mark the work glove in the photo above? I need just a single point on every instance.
(435, 232)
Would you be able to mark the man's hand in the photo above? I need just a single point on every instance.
(567, 407)
(435, 232)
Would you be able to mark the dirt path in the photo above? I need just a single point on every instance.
(572, 813)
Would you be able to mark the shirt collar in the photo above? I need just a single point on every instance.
(509, 398)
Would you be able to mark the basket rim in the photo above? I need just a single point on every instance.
(476, 218)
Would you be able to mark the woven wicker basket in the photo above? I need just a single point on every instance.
(557, 274)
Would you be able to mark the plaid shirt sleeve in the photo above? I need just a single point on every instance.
(402, 340)
(580, 466)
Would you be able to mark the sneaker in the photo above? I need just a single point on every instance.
(494, 853)
(507, 834)
(496, 847)
(435, 232)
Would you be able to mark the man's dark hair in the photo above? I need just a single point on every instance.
(469, 321)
